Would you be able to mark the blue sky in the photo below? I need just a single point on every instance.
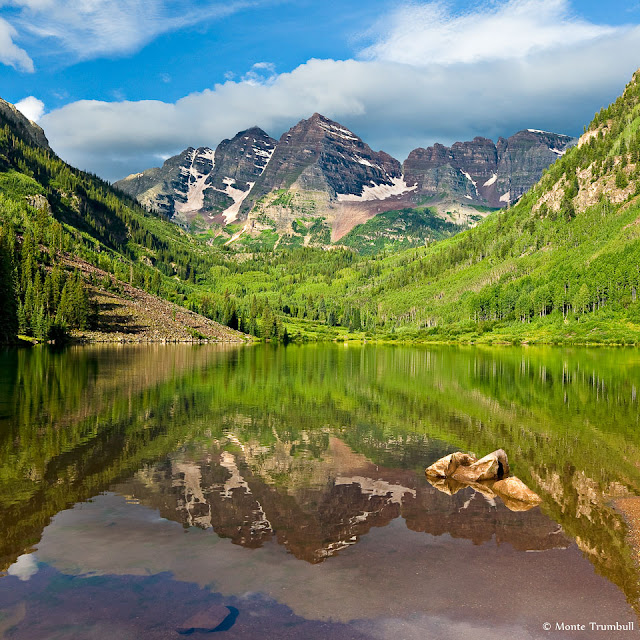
(119, 85)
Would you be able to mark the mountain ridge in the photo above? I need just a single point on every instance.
(27, 128)
(332, 176)
(203, 183)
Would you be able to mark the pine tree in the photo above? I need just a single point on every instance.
(79, 303)
(63, 313)
(581, 300)
(267, 323)
(252, 323)
(8, 298)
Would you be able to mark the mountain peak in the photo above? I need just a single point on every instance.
(201, 185)
(322, 156)
(484, 172)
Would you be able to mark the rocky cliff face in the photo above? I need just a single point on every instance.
(201, 183)
(524, 156)
(321, 155)
(482, 172)
(22, 125)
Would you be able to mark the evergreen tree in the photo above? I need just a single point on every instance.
(8, 297)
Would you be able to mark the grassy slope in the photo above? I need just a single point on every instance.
(523, 248)
(398, 230)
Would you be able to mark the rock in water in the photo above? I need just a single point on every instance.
(487, 476)
(466, 468)
(446, 467)
(515, 494)
(493, 466)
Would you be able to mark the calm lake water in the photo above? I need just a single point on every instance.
(258, 492)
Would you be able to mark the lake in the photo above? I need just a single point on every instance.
(262, 492)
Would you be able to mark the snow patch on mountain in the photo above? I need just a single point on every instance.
(378, 191)
(505, 197)
(337, 131)
(492, 180)
(265, 153)
(237, 195)
(364, 162)
(469, 178)
(472, 181)
(196, 182)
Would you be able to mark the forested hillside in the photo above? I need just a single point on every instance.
(561, 265)
(51, 217)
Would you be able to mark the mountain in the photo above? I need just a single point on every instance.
(321, 155)
(202, 187)
(493, 175)
(320, 181)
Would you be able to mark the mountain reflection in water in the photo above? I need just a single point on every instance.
(318, 453)
(344, 497)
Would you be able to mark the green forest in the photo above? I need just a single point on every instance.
(558, 267)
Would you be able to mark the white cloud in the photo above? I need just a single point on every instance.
(423, 34)
(93, 28)
(31, 107)
(392, 105)
(260, 73)
(10, 53)
(24, 567)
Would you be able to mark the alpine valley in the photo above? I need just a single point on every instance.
(317, 237)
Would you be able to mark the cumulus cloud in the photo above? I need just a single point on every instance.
(31, 107)
(391, 104)
(10, 53)
(423, 34)
(93, 28)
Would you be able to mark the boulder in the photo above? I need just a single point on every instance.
(493, 466)
(446, 467)
(515, 494)
(489, 476)
(464, 467)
